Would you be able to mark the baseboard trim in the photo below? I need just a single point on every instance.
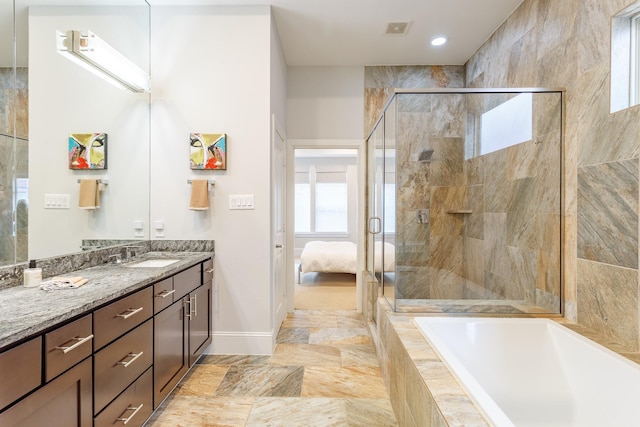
(250, 343)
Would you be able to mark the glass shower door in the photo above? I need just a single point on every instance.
(382, 203)
(374, 188)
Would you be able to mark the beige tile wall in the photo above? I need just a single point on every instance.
(567, 43)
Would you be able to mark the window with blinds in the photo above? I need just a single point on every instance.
(321, 204)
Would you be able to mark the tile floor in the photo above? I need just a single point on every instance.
(323, 372)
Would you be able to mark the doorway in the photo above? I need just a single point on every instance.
(325, 209)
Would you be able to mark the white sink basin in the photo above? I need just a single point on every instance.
(150, 263)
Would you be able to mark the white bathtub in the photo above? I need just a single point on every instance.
(535, 372)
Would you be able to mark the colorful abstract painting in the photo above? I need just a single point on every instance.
(88, 150)
(208, 151)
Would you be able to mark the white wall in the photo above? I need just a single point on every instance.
(65, 99)
(211, 72)
(325, 103)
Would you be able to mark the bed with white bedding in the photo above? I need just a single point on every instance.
(339, 257)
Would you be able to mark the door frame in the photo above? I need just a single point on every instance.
(280, 303)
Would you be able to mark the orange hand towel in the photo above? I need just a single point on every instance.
(89, 195)
(199, 195)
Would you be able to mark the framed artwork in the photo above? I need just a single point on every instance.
(88, 150)
(208, 151)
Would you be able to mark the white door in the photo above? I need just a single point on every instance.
(278, 217)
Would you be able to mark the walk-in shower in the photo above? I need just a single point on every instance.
(464, 192)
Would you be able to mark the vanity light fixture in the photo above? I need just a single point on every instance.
(88, 50)
(438, 41)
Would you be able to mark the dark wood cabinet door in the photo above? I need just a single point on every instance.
(64, 402)
(199, 321)
(170, 350)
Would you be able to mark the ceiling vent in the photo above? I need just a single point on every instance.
(397, 28)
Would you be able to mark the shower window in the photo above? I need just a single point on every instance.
(507, 124)
(625, 58)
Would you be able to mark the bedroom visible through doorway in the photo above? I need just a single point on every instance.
(325, 210)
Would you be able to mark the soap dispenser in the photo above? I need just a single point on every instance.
(32, 275)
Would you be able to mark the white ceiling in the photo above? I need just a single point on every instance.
(352, 32)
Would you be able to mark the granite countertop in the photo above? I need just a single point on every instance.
(28, 311)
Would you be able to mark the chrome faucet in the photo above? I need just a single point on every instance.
(132, 251)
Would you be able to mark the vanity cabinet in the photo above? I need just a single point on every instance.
(183, 330)
(112, 365)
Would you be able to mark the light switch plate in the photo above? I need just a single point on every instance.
(241, 201)
(56, 201)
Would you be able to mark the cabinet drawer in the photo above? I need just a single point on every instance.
(67, 345)
(118, 364)
(163, 294)
(132, 407)
(21, 369)
(119, 317)
(186, 281)
(207, 271)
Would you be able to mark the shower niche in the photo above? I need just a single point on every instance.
(464, 196)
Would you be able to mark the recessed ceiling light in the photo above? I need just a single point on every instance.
(438, 41)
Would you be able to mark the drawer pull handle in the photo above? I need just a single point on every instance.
(133, 356)
(79, 342)
(130, 312)
(165, 294)
(130, 408)
(211, 270)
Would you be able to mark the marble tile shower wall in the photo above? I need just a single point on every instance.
(13, 154)
(567, 43)
(512, 237)
(420, 125)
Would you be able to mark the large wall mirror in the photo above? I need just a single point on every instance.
(45, 98)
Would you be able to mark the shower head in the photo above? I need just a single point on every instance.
(425, 155)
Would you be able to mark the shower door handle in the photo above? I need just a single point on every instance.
(378, 222)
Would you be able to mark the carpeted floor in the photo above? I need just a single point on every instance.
(326, 291)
